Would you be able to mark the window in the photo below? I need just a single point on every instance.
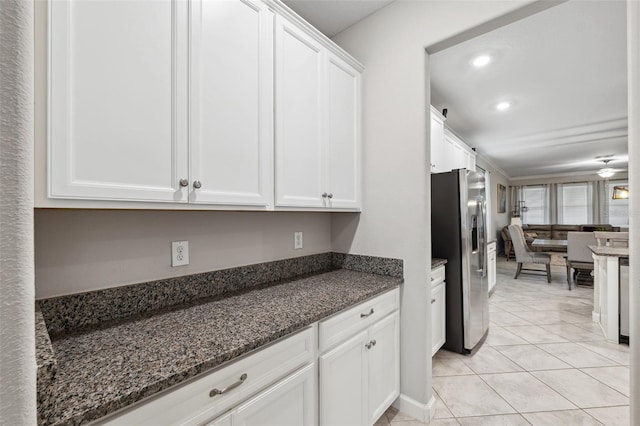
(535, 201)
(575, 203)
(618, 209)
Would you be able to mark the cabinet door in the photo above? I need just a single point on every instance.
(450, 153)
(491, 269)
(117, 111)
(437, 144)
(231, 102)
(291, 402)
(384, 365)
(343, 135)
(299, 72)
(221, 421)
(343, 383)
(438, 324)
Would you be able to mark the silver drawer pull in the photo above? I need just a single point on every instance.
(366, 315)
(373, 342)
(432, 279)
(433, 301)
(370, 344)
(217, 391)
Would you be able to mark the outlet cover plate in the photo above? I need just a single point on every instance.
(297, 240)
(179, 253)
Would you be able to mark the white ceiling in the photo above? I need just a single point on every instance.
(333, 16)
(564, 71)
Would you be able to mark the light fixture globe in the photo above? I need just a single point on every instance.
(606, 172)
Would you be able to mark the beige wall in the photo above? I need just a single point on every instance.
(82, 250)
(498, 220)
(395, 221)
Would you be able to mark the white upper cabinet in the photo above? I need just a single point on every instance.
(117, 93)
(459, 154)
(231, 102)
(317, 123)
(206, 103)
(438, 157)
(300, 65)
(343, 133)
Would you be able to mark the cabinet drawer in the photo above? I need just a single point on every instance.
(437, 275)
(191, 403)
(347, 323)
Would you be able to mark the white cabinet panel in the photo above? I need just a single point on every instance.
(117, 86)
(299, 120)
(384, 365)
(438, 148)
(360, 377)
(343, 383)
(491, 265)
(343, 134)
(222, 421)
(438, 324)
(231, 98)
(289, 403)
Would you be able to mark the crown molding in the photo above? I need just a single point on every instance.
(567, 174)
(610, 129)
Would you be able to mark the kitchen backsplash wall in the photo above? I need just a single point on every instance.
(84, 250)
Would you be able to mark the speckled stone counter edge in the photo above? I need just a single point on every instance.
(77, 311)
(45, 358)
(435, 262)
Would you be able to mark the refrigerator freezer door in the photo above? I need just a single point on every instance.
(475, 288)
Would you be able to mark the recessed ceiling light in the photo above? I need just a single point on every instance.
(481, 61)
(501, 106)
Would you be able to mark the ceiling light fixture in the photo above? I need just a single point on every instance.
(606, 171)
(502, 106)
(481, 61)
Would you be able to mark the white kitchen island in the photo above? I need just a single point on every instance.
(606, 289)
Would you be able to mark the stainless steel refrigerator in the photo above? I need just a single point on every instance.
(458, 234)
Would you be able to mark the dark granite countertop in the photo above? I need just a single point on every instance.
(435, 262)
(102, 370)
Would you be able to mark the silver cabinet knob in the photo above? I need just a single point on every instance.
(325, 195)
(330, 195)
(197, 184)
(433, 301)
(184, 182)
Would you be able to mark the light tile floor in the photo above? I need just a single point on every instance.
(544, 362)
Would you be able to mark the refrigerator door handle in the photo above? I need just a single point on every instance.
(481, 237)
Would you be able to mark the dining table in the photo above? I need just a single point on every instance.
(550, 245)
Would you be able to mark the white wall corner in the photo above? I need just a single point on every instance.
(419, 411)
(17, 336)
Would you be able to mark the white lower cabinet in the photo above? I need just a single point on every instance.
(491, 265)
(244, 389)
(438, 309)
(291, 402)
(359, 378)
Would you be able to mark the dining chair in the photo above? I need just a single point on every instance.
(525, 255)
(579, 257)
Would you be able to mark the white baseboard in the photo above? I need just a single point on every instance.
(595, 316)
(419, 411)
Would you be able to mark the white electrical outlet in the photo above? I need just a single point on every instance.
(179, 253)
(297, 240)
